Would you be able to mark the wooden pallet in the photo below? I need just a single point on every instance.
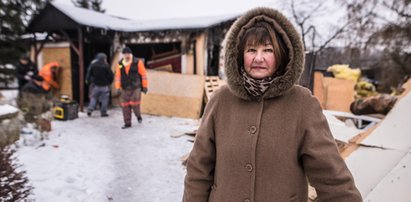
(211, 84)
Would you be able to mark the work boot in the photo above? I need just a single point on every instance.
(126, 126)
(139, 119)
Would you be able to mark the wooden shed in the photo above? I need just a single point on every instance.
(188, 47)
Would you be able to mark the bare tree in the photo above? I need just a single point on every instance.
(303, 14)
(387, 27)
(303, 18)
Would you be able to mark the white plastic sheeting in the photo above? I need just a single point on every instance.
(378, 161)
(396, 185)
(339, 129)
(395, 131)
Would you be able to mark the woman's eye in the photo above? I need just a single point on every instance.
(251, 50)
(270, 50)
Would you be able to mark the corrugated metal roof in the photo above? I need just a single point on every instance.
(100, 20)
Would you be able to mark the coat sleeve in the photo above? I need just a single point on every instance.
(201, 161)
(117, 77)
(20, 73)
(110, 74)
(143, 73)
(325, 168)
(88, 74)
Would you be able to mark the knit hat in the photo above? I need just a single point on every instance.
(101, 56)
(127, 50)
(24, 57)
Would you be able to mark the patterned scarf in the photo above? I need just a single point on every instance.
(256, 87)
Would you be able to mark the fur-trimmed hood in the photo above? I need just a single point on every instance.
(292, 39)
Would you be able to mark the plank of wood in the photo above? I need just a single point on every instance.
(211, 84)
(168, 105)
(355, 142)
(339, 94)
(319, 88)
(172, 94)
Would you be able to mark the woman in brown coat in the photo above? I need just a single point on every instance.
(262, 135)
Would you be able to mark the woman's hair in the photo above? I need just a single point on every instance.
(260, 34)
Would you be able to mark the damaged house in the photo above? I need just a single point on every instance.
(178, 53)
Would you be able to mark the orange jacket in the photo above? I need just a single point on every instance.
(49, 79)
(141, 71)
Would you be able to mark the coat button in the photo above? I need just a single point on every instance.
(249, 167)
(247, 200)
(253, 129)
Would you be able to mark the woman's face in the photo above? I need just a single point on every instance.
(259, 60)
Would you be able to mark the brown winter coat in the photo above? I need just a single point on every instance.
(263, 150)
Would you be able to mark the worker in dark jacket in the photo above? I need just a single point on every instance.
(25, 70)
(102, 79)
(130, 80)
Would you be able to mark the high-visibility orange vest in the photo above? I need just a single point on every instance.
(47, 74)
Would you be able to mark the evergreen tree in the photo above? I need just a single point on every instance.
(14, 17)
(81, 3)
(14, 185)
(96, 5)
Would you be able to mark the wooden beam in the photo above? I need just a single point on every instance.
(81, 67)
(355, 142)
(71, 42)
(38, 50)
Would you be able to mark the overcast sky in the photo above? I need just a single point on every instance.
(154, 9)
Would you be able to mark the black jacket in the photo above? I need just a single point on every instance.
(22, 70)
(133, 79)
(101, 73)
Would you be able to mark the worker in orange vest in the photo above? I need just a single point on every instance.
(45, 80)
(130, 81)
(49, 73)
(34, 98)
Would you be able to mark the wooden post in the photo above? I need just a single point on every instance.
(81, 67)
(38, 50)
(36, 53)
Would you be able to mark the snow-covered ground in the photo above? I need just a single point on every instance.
(93, 159)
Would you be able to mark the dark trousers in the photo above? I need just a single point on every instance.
(130, 100)
(99, 94)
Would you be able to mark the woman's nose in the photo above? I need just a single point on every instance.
(259, 57)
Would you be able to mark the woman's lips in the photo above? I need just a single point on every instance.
(258, 67)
